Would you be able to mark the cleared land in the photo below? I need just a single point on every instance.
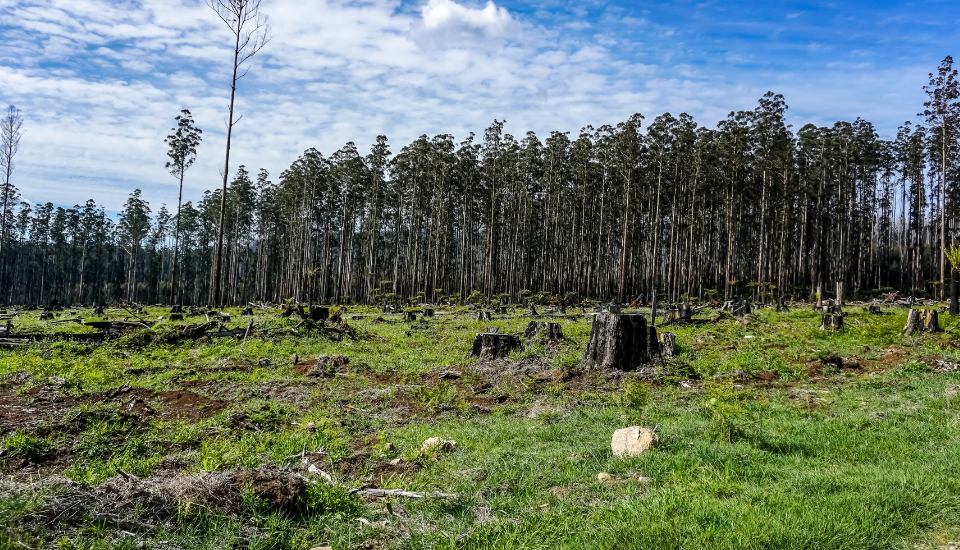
(773, 434)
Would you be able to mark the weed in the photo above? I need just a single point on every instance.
(724, 403)
(439, 397)
(26, 446)
(634, 393)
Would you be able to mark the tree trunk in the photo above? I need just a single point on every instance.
(954, 291)
(929, 320)
(832, 322)
(618, 341)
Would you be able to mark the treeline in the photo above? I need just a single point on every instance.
(749, 208)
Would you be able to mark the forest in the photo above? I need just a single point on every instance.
(753, 208)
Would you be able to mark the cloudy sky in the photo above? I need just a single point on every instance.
(99, 82)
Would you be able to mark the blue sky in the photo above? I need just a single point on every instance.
(99, 82)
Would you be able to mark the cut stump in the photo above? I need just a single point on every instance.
(619, 341)
(493, 345)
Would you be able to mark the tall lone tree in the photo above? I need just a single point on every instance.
(251, 33)
(942, 113)
(183, 151)
(11, 129)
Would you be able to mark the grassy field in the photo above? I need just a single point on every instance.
(773, 434)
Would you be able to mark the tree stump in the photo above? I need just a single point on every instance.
(493, 345)
(176, 317)
(409, 316)
(98, 310)
(484, 316)
(533, 309)
(832, 322)
(874, 310)
(618, 341)
(913, 322)
(318, 313)
(247, 311)
(929, 321)
(428, 312)
(501, 310)
(287, 312)
(668, 344)
(742, 309)
(545, 331)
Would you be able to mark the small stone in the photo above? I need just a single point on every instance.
(389, 447)
(395, 461)
(439, 444)
(312, 426)
(604, 477)
(632, 441)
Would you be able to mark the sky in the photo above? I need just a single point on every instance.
(99, 82)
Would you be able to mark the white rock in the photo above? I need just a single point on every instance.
(439, 444)
(633, 441)
(603, 477)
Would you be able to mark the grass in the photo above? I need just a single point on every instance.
(850, 458)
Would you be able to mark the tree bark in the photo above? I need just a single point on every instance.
(492, 345)
(618, 341)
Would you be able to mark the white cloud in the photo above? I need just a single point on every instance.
(99, 83)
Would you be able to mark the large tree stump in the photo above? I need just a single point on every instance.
(929, 321)
(484, 316)
(428, 312)
(318, 313)
(247, 311)
(501, 310)
(533, 309)
(98, 310)
(493, 345)
(685, 311)
(742, 309)
(832, 322)
(618, 341)
(409, 316)
(545, 331)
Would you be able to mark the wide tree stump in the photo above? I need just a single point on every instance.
(98, 310)
(428, 312)
(176, 317)
(484, 316)
(409, 316)
(742, 309)
(832, 322)
(501, 310)
(913, 322)
(545, 331)
(247, 311)
(318, 313)
(533, 309)
(493, 345)
(619, 341)
(874, 310)
(685, 311)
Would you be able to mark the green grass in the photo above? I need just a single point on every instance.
(849, 459)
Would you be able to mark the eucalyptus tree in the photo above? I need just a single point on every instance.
(134, 224)
(942, 113)
(183, 144)
(250, 34)
(11, 130)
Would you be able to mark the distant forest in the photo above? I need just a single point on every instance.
(752, 208)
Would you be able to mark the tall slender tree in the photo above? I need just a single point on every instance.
(942, 113)
(250, 34)
(11, 130)
(183, 144)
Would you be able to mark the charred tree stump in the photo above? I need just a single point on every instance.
(742, 309)
(248, 311)
(428, 312)
(493, 345)
(874, 310)
(832, 322)
(930, 321)
(98, 310)
(545, 331)
(318, 313)
(619, 341)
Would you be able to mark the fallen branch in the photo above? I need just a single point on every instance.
(383, 493)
